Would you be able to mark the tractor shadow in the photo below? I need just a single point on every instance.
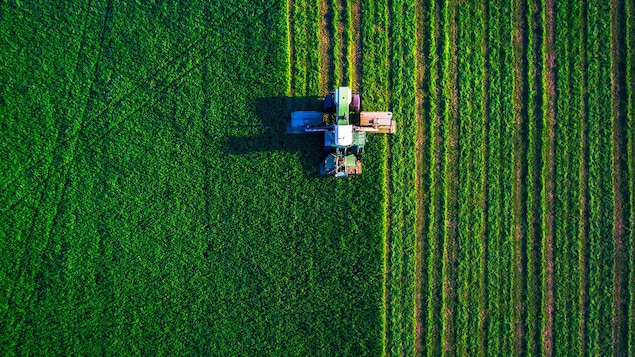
(273, 114)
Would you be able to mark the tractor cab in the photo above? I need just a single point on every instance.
(344, 140)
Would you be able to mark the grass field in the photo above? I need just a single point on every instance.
(150, 202)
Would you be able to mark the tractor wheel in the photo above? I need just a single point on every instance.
(329, 104)
(356, 105)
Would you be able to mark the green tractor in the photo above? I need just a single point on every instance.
(344, 126)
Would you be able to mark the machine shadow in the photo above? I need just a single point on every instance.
(273, 114)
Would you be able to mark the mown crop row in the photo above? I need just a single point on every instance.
(374, 91)
(432, 293)
(568, 158)
(471, 173)
(529, 267)
(599, 185)
(401, 200)
(500, 179)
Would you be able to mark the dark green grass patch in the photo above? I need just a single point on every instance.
(152, 203)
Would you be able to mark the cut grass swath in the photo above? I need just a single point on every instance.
(549, 97)
(375, 93)
(403, 198)
(434, 288)
(450, 176)
(566, 271)
(600, 190)
(520, 176)
(470, 194)
(534, 166)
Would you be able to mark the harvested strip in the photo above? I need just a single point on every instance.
(496, 304)
(422, 170)
(519, 195)
(470, 172)
(450, 176)
(548, 173)
(567, 200)
(506, 170)
(600, 189)
(434, 290)
(534, 166)
(375, 91)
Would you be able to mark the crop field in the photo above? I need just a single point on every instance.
(152, 204)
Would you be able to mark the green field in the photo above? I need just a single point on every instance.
(151, 202)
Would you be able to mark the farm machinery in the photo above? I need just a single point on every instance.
(344, 126)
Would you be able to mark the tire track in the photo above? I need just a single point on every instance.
(164, 84)
(59, 141)
(69, 89)
(51, 196)
(141, 85)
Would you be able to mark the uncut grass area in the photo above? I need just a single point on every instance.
(151, 202)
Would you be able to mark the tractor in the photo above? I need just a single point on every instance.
(344, 126)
